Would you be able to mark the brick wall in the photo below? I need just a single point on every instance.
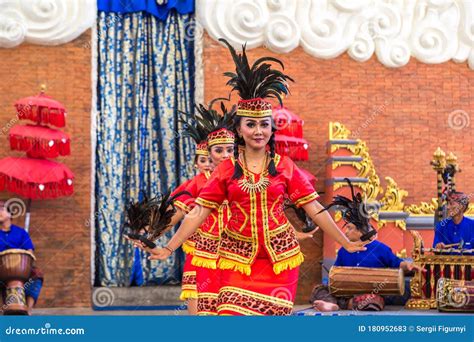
(402, 113)
(59, 228)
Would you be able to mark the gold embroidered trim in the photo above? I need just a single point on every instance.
(246, 220)
(206, 203)
(227, 264)
(289, 254)
(204, 262)
(206, 313)
(237, 236)
(208, 235)
(254, 113)
(213, 142)
(204, 254)
(182, 206)
(189, 247)
(239, 309)
(290, 263)
(188, 294)
(306, 199)
(280, 229)
(273, 207)
(212, 295)
(260, 296)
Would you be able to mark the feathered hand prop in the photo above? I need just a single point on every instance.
(151, 217)
(354, 211)
(161, 215)
(309, 224)
(138, 214)
(258, 80)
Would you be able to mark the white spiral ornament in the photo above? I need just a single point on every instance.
(45, 22)
(282, 34)
(433, 31)
(103, 297)
(16, 207)
(12, 25)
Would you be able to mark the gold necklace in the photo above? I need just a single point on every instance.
(247, 184)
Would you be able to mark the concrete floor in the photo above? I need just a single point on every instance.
(300, 310)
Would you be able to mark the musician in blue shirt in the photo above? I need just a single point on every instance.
(14, 237)
(377, 255)
(456, 231)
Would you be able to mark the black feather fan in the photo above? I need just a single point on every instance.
(151, 216)
(353, 210)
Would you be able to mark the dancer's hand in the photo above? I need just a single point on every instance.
(300, 236)
(160, 254)
(142, 246)
(356, 246)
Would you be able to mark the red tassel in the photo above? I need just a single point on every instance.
(32, 191)
(39, 148)
(42, 115)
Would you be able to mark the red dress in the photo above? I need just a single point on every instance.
(203, 246)
(258, 252)
(185, 203)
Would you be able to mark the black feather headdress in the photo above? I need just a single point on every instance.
(259, 80)
(354, 211)
(206, 120)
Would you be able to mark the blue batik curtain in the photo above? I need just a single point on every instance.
(145, 75)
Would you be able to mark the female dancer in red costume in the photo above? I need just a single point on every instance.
(203, 163)
(258, 252)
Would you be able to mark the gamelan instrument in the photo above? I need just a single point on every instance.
(349, 281)
(455, 295)
(424, 286)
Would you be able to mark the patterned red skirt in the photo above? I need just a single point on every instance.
(261, 293)
(188, 283)
(208, 285)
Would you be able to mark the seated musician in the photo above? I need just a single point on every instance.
(377, 255)
(14, 237)
(456, 231)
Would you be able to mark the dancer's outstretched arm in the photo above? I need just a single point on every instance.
(191, 223)
(325, 221)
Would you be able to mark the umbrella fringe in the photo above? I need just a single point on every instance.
(39, 148)
(42, 115)
(295, 151)
(32, 190)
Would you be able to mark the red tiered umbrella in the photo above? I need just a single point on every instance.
(41, 109)
(295, 148)
(35, 178)
(287, 122)
(39, 141)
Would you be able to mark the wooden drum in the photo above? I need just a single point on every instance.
(455, 295)
(15, 270)
(349, 281)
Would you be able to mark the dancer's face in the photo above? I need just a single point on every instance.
(352, 233)
(221, 152)
(255, 132)
(204, 163)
